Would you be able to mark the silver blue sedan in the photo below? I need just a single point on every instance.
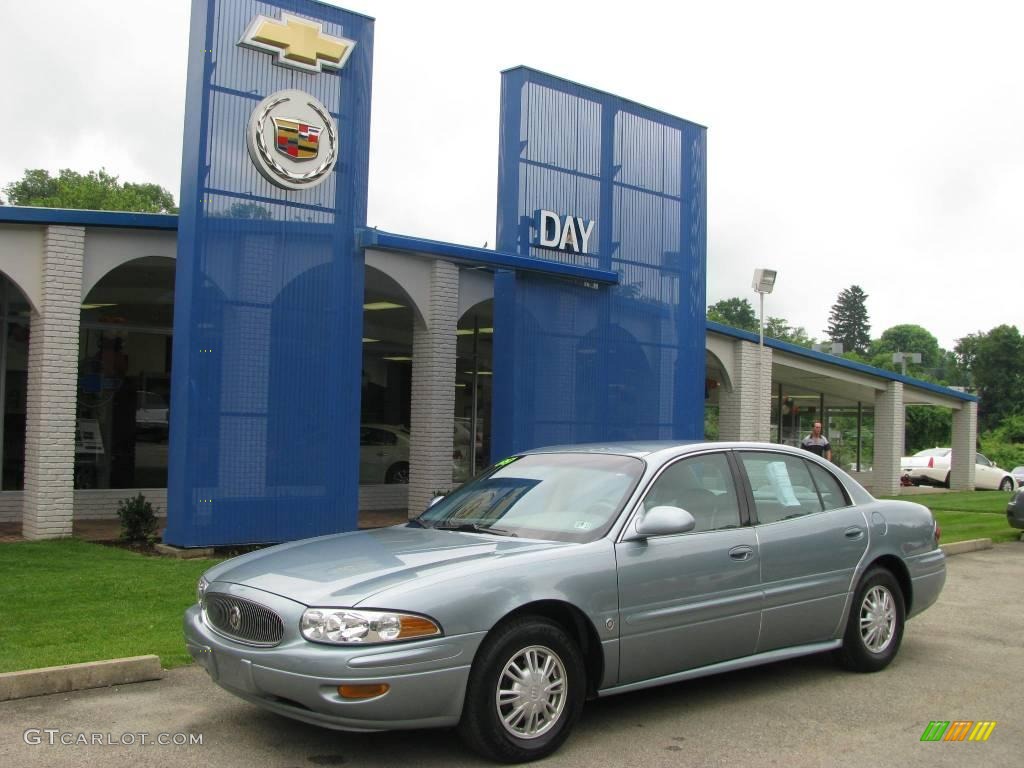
(569, 573)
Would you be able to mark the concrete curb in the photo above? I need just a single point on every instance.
(971, 545)
(77, 677)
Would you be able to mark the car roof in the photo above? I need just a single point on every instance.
(643, 448)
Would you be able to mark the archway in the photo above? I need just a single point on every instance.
(124, 377)
(389, 316)
(474, 350)
(15, 319)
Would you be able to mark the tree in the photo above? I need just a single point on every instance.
(778, 328)
(907, 338)
(736, 312)
(998, 371)
(965, 352)
(96, 191)
(927, 427)
(848, 324)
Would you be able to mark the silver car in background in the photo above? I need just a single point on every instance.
(569, 573)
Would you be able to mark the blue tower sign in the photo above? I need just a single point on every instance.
(594, 180)
(269, 291)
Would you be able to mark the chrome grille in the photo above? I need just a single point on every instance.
(253, 623)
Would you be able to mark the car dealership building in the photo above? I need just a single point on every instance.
(263, 365)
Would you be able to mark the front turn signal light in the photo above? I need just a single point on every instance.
(363, 691)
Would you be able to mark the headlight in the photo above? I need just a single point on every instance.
(201, 586)
(345, 626)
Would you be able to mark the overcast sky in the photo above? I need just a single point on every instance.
(878, 144)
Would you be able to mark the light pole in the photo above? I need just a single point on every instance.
(906, 357)
(764, 282)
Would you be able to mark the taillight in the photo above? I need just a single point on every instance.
(938, 530)
(931, 463)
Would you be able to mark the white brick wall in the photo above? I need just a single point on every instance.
(96, 504)
(965, 436)
(433, 390)
(738, 414)
(53, 388)
(889, 420)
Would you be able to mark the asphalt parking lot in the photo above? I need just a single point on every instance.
(961, 660)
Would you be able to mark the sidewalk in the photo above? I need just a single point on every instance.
(107, 530)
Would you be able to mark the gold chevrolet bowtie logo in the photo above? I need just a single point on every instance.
(298, 43)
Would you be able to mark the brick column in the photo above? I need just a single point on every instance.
(965, 435)
(738, 416)
(890, 421)
(433, 390)
(53, 388)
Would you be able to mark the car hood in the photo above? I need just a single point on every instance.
(344, 569)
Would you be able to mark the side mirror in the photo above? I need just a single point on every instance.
(434, 501)
(661, 521)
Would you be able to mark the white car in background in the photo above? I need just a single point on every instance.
(932, 465)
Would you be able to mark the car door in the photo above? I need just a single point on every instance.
(810, 540)
(690, 599)
(986, 477)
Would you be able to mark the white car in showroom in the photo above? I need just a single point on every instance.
(931, 467)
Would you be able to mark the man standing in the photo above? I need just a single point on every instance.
(817, 442)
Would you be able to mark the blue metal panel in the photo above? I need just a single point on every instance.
(625, 362)
(268, 310)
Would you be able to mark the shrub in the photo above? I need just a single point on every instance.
(138, 520)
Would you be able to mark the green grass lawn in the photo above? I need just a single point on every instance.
(969, 514)
(69, 601)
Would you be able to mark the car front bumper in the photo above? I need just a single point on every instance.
(300, 680)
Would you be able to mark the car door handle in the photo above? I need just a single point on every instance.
(741, 553)
(853, 533)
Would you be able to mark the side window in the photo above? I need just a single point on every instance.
(832, 495)
(704, 487)
(782, 486)
(979, 459)
(371, 436)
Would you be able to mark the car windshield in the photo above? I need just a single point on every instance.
(557, 496)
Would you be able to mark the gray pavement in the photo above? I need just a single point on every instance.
(963, 659)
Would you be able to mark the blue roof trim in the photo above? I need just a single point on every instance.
(373, 238)
(16, 214)
(840, 362)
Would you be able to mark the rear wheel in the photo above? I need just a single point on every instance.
(875, 627)
(1006, 484)
(525, 691)
(397, 473)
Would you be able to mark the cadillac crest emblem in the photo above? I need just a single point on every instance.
(292, 140)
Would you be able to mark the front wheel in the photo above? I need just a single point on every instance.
(525, 691)
(1006, 484)
(875, 627)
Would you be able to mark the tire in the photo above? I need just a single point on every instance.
(1006, 484)
(871, 649)
(490, 725)
(397, 473)
(945, 483)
